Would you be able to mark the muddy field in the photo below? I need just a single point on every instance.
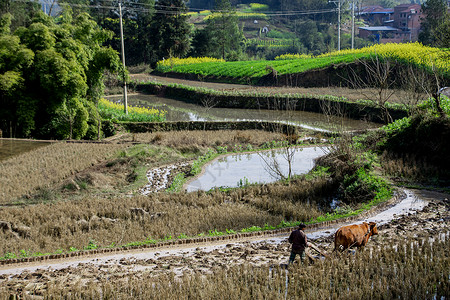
(36, 279)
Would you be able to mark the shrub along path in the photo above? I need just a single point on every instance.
(38, 278)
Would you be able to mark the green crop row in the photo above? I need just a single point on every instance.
(256, 69)
(413, 53)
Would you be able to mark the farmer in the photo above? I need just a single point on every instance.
(299, 243)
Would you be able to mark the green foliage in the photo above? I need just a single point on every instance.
(222, 34)
(429, 106)
(435, 25)
(275, 34)
(177, 183)
(91, 245)
(243, 182)
(425, 136)
(413, 54)
(215, 233)
(259, 7)
(396, 126)
(9, 255)
(197, 164)
(363, 186)
(182, 236)
(171, 30)
(317, 172)
(51, 75)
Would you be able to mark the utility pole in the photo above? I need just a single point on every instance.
(339, 21)
(125, 99)
(353, 24)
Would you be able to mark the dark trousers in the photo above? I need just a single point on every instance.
(294, 254)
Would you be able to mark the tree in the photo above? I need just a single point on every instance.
(433, 26)
(78, 6)
(443, 33)
(225, 39)
(137, 17)
(54, 70)
(170, 31)
(376, 81)
(22, 12)
(14, 58)
(310, 37)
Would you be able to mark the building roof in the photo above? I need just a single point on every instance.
(375, 9)
(379, 28)
(407, 7)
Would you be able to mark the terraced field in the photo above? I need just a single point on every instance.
(413, 54)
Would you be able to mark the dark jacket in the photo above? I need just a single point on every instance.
(298, 240)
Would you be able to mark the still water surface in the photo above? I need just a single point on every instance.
(182, 111)
(238, 169)
(9, 148)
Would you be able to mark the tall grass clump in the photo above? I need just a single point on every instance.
(115, 111)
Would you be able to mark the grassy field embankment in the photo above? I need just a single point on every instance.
(368, 110)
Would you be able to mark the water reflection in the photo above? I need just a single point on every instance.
(9, 148)
(240, 169)
(182, 111)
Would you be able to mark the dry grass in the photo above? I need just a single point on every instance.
(205, 139)
(100, 211)
(62, 225)
(409, 167)
(48, 165)
(414, 271)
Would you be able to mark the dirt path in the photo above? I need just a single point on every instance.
(350, 94)
(416, 216)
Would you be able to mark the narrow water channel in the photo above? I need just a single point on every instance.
(261, 167)
(182, 111)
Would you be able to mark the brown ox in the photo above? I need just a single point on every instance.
(354, 235)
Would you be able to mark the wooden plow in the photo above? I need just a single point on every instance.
(309, 253)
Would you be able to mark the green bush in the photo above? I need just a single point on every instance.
(363, 186)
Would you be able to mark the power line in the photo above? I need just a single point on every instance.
(165, 11)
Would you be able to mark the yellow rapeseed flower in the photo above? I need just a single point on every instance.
(132, 109)
(174, 61)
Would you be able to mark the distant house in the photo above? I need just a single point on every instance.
(402, 25)
(376, 15)
(378, 33)
(407, 19)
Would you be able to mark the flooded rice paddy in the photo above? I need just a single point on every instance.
(261, 167)
(11, 147)
(182, 111)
